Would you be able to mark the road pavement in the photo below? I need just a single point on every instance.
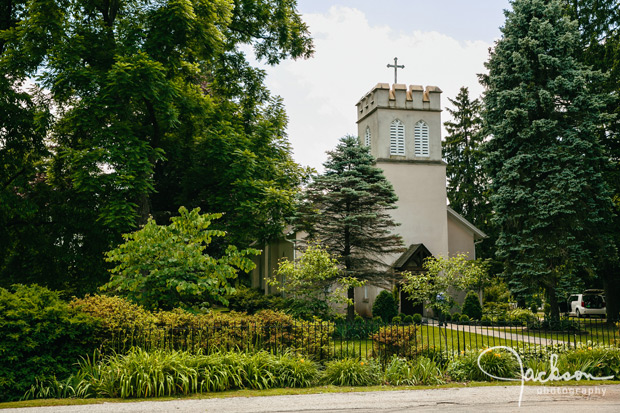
(603, 398)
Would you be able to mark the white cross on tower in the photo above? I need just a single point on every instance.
(396, 66)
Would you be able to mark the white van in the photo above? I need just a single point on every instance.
(590, 302)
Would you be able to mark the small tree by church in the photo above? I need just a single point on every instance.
(347, 209)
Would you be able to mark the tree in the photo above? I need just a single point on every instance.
(472, 307)
(385, 306)
(545, 115)
(600, 47)
(347, 209)
(148, 106)
(164, 267)
(462, 151)
(442, 277)
(313, 280)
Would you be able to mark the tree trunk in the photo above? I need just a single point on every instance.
(611, 284)
(351, 307)
(553, 302)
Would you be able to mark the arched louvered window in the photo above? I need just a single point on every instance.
(367, 137)
(397, 138)
(421, 139)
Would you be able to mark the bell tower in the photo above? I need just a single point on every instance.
(402, 127)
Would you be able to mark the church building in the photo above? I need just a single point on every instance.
(402, 126)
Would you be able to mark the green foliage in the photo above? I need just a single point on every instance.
(472, 307)
(545, 113)
(347, 208)
(352, 372)
(499, 363)
(42, 337)
(251, 300)
(408, 319)
(166, 267)
(314, 280)
(154, 106)
(395, 340)
(419, 371)
(417, 318)
(167, 373)
(523, 316)
(385, 306)
(462, 150)
(397, 320)
(441, 274)
(456, 317)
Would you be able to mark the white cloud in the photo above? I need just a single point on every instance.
(351, 57)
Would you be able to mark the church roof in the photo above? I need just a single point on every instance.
(461, 220)
(415, 252)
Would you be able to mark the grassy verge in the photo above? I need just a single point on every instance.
(290, 391)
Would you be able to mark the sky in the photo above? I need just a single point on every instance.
(441, 43)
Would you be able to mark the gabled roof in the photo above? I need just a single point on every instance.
(464, 222)
(414, 251)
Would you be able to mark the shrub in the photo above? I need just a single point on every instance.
(377, 319)
(166, 373)
(522, 316)
(498, 363)
(471, 306)
(417, 318)
(251, 300)
(352, 372)
(397, 320)
(395, 340)
(358, 319)
(456, 317)
(42, 337)
(385, 306)
(421, 370)
(464, 318)
(408, 319)
(485, 320)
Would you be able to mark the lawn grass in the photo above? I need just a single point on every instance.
(428, 336)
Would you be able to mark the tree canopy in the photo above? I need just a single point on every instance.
(545, 115)
(165, 266)
(138, 108)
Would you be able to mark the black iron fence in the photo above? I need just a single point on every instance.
(326, 340)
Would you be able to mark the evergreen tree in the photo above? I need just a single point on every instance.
(599, 25)
(544, 115)
(347, 209)
(462, 151)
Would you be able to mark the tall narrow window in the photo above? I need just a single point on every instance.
(420, 138)
(367, 137)
(397, 138)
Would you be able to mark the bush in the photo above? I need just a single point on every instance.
(251, 300)
(471, 306)
(395, 340)
(385, 306)
(498, 363)
(352, 372)
(397, 320)
(421, 370)
(408, 319)
(417, 318)
(42, 337)
(464, 318)
(167, 373)
(456, 317)
(522, 316)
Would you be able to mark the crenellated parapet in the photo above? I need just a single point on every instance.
(399, 96)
